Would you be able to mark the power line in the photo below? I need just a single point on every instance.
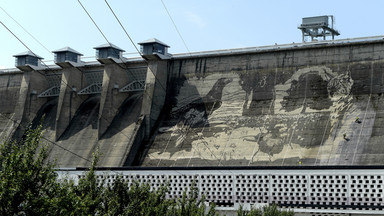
(101, 32)
(26, 30)
(126, 33)
(121, 25)
(93, 21)
(110, 43)
(46, 66)
(174, 24)
(17, 38)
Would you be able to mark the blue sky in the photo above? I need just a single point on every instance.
(204, 24)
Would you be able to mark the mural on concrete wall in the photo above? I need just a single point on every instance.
(298, 108)
(253, 119)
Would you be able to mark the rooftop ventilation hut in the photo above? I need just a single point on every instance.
(67, 57)
(107, 52)
(319, 26)
(154, 49)
(27, 61)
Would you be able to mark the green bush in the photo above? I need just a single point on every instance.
(27, 184)
(270, 210)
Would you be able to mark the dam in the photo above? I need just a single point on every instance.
(299, 125)
(312, 104)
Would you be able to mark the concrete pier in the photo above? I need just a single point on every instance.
(69, 101)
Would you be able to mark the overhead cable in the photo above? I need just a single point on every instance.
(26, 30)
(174, 24)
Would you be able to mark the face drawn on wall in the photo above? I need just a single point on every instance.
(317, 88)
(255, 114)
(308, 95)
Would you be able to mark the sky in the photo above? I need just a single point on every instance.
(203, 24)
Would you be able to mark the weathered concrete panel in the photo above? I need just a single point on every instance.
(28, 104)
(79, 140)
(155, 92)
(275, 108)
(9, 92)
(118, 140)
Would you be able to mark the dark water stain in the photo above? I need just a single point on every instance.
(200, 68)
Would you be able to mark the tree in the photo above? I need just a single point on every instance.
(27, 184)
(191, 204)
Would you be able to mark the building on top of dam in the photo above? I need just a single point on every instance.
(280, 105)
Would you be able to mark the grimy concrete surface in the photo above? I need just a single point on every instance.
(9, 93)
(312, 104)
(111, 99)
(104, 121)
(71, 121)
(28, 104)
(155, 92)
(69, 101)
(281, 107)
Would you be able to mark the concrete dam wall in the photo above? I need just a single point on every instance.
(86, 112)
(303, 104)
(280, 107)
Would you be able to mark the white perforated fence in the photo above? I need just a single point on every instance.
(310, 191)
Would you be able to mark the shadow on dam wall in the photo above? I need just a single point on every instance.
(84, 117)
(80, 136)
(128, 114)
(118, 141)
(87, 115)
(46, 115)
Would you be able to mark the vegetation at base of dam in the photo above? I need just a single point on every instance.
(29, 185)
